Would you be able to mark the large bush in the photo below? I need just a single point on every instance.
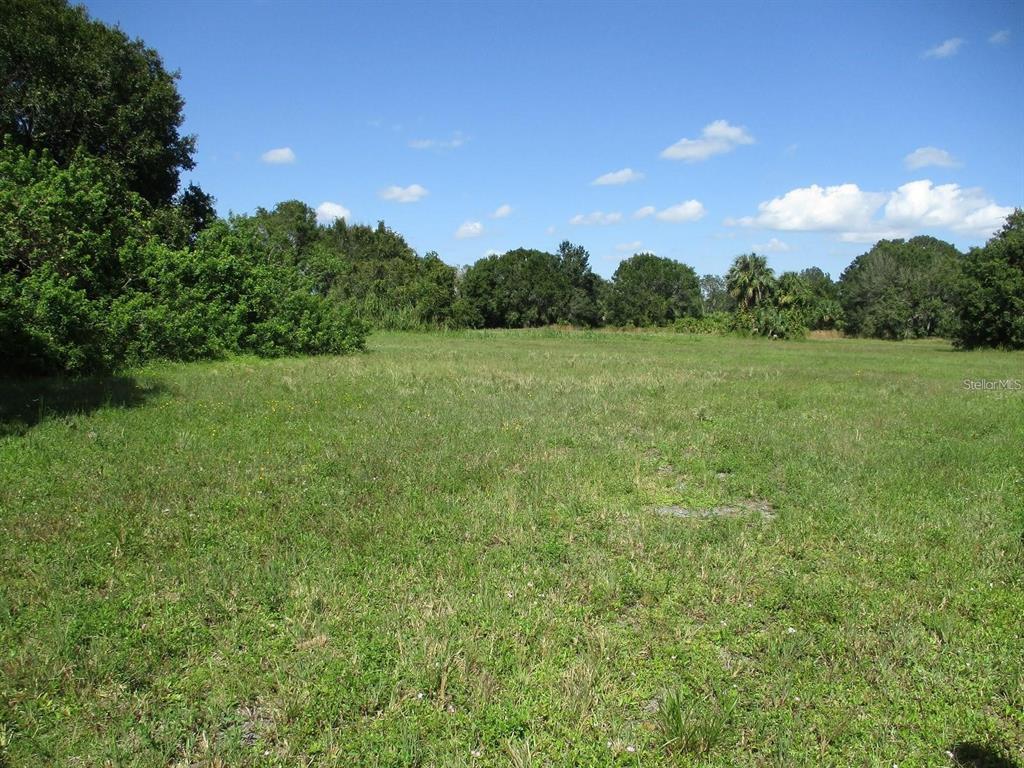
(70, 241)
(85, 285)
(231, 294)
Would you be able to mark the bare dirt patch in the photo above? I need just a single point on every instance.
(741, 509)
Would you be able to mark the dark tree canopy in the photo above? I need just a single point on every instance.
(651, 290)
(517, 289)
(901, 289)
(586, 289)
(69, 83)
(990, 293)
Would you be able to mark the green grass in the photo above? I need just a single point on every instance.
(446, 552)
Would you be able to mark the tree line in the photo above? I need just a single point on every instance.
(105, 261)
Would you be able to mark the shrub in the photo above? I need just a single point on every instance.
(718, 323)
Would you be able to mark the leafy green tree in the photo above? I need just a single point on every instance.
(750, 281)
(824, 310)
(180, 223)
(585, 288)
(518, 289)
(902, 289)
(715, 294)
(68, 83)
(990, 291)
(376, 271)
(651, 290)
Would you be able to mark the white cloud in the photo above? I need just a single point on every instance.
(861, 216)
(925, 156)
(643, 213)
(945, 49)
(502, 211)
(919, 204)
(1000, 37)
(491, 252)
(327, 213)
(691, 210)
(456, 141)
(469, 229)
(716, 139)
(279, 156)
(597, 217)
(839, 208)
(873, 235)
(410, 194)
(551, 230)
(624, 176)
(772, 246)
(626, 247)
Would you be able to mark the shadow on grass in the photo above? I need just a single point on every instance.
(973, 755)
(27, 402)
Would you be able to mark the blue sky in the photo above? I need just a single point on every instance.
(802, 130)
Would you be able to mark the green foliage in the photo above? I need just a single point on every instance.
(990, 293)
(585, 288)
(750, 281)
(69, 244)
(715, 294)
(179, 223)
(902, 289)
(774, 322)
(525, 288)
(69, 83)
(231, 294)
(86, 286)
(375, 271)
(695, 726)
(714, 323)
(517, 289)
(811, 299)
(651, 290)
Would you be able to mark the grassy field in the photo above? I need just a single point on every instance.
(519, 548)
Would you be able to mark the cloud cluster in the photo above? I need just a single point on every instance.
(614, 178)
(469, 229)
(597, 217)
(411, 194)
(690, 210)
(279, 156)
(1001, 37)
(862, 216)
(773, 246)
(327, 213)
(844, 206)
(925, 156)
(945, 49)
(502, 211)
(717, 138)
(456, 141)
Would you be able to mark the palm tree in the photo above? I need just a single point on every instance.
(750, 280)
